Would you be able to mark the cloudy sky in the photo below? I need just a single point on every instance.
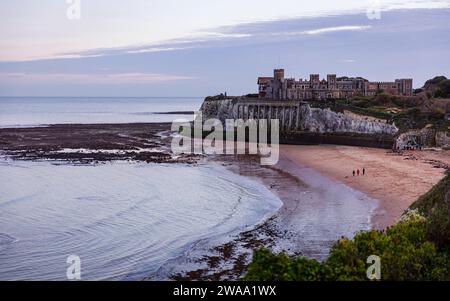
(199, 47)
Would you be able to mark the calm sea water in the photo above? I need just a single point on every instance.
(35, 111)
(123, 220)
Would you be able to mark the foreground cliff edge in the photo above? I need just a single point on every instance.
(417, 248)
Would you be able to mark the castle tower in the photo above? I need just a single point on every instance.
(314, 81)
(331, 80)
(405, 86)
(278, 84)
(314, 78)
(278, 74)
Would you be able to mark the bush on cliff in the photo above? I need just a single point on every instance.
(417, 248)
(444, 89)
(384, 98)
(438, 87)
(435, 81)
(435, 206)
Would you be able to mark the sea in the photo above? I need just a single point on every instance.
(41, 111)
(123, 220)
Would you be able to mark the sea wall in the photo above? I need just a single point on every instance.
(300, 123)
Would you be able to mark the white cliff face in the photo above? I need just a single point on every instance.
(426, 137)
(220, 109)
(295, 116)
(443, 140)
(327, 121)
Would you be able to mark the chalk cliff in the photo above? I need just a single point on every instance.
(426, 137)
(295, 116)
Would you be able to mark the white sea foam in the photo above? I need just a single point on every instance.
(106, 151)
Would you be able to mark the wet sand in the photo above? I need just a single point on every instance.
(315, 214)
(395, 179)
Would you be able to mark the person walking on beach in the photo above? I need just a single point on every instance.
(357, 172)
(353, 172)
(364, 171)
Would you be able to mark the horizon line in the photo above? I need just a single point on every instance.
(17, 96)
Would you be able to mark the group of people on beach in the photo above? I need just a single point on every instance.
(357, 172)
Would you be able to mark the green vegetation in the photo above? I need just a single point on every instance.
(413, 112)
(438, 87)
(436, 80)
(415, 118)
(435, 206)
(444, 91)
(417, 248)
(359, 105)
(252, 95)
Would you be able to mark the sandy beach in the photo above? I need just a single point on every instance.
(395, 179)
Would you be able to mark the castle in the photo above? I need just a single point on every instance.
(279, 87)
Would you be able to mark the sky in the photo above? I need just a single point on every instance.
(200, 48)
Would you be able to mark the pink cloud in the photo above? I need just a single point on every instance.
(101, 78)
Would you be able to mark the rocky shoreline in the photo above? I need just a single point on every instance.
(92, 143)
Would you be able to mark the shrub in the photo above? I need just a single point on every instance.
(362, 104)
(384, 98)
(438, 113)
(435, 206)
(436, 80)
(252, 95)
(267, 266)
(404, 250)
(414, 112)
(444, 89)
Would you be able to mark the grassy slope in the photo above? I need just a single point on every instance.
(405, 112)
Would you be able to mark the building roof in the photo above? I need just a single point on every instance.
(264, 79)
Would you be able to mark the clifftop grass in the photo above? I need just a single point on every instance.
(406, 112)
(435, 207)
